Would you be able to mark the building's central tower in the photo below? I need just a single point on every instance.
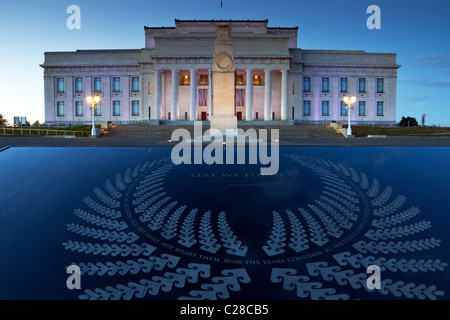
(223, 116)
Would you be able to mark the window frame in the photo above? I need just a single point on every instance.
(133, 102)
(63, 85)
(305, 103)
(132, 82)
(58, 104)
(346, 85)
(343, 109)
(309, 84)
(327, 79)
(76, 108)
(76, 81)
(113, 108)
(114, 83)
(362, 103)
(359, 85)
(95, 84)
(382, 85)
(326, 102)
(382, 108)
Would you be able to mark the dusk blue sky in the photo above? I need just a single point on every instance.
(418, 31)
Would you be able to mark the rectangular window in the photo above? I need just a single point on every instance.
(307, 84)
(380, 108)
(256, 115)
(344, 84)
(60, 108)
(116, 84)
(60, 85)
(343, 109)
(78, 85)
(135, 84)
(186, 80)
(240, 80)
(78, 108)
(135, 108)
(380, 85)
(293, 87)
(202, 97)
(362, 85)
(240, 97)
(362, 108)
(97, 84)
(185, 116)
(257, 80)
(325, 108)
(149, 88)
(306, 108)
(98, 110)
(116, 108)
(203, 81)
(325, 84)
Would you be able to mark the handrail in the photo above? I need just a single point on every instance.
(45, 132)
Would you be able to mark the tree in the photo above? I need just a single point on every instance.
(3, 121)
(36, 124)
(408, 122)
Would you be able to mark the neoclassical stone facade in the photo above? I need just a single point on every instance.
(171, 78)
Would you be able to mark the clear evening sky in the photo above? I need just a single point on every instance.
(418, 31)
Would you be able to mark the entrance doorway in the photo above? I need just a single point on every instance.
(239, 116)
(204, 116)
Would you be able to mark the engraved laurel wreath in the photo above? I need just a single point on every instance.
(142, 243)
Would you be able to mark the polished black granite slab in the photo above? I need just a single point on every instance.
(139, 227)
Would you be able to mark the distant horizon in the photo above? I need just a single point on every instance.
(411, 30)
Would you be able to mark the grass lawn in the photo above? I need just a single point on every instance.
(364, 131)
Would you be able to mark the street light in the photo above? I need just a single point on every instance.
(349, 101)
(93, 101)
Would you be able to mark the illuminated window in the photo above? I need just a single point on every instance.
(203, 80)
(293, 87)
(149, 88)
(240, 80)
(186, 80)
(257, 80)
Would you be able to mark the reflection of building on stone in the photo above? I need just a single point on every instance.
(172, 78)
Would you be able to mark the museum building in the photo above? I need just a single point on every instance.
(171, 79)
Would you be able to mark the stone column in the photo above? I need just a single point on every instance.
(249, 96)
(157, 105)
(193, 101)
(268, 95)
(174, 111)
(284, 95)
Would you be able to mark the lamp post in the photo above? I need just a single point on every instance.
(349, 101)
(93, 101)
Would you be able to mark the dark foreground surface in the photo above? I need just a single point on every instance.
(140, 227)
